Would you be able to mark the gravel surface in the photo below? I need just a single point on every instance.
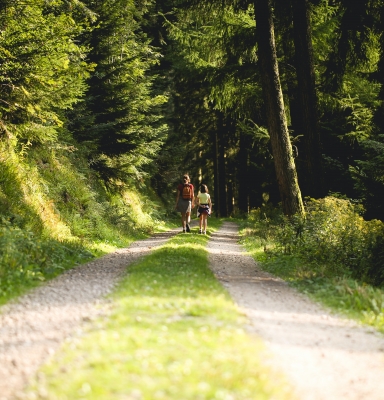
(33, 327)
(323, 356)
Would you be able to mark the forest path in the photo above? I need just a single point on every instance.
(33, 326)
(322, 355)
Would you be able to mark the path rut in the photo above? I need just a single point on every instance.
(324, 356)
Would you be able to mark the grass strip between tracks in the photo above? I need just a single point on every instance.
(174, 333)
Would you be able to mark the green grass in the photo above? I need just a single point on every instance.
(27, 259)
(341, 294)
(56, 213)
(174, 333)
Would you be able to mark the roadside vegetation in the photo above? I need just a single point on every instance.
(333, 255)
(173, 333)
(105, 104)
(55, 213)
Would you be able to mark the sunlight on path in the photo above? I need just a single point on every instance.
(33, 327)
(324, 357)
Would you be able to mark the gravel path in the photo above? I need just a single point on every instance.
(324, 357)
(34, 326)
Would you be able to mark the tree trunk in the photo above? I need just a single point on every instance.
(230, 162)
(276, 119)
(242, 173)
(216, 202)
(221, 133)
(309, 126)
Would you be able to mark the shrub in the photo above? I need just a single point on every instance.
(376, 265)
(334, 240)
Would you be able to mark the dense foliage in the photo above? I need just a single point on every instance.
(333, 239)
(103, 101)
(155, 89)
(80, 121)
(220, 109)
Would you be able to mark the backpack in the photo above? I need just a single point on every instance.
(186, 193)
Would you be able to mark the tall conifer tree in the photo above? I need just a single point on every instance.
(276, 119)
(121, 121)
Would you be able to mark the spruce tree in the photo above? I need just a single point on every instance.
(120, 120)
(42, 69)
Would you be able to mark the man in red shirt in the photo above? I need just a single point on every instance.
(185, 201)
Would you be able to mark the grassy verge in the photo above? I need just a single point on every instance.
(27, 260)
(56, 213)
(342, 294)
(174, 333)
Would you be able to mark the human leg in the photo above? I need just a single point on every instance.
(201, 223)
(205, 222)
(187, 221)
(183, 221)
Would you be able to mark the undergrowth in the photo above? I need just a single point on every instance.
(56, 213)
(333, 255)
(174, 333)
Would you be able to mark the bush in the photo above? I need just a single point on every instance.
(333, 239)
(376, 265)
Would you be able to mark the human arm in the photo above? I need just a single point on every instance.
(193, 199)
(197, 200)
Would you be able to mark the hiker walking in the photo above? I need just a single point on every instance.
(204, 208)
(185, 201)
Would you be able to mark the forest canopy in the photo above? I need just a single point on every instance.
(267, 102)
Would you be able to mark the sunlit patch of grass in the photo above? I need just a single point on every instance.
(174, 333)
(26, 260)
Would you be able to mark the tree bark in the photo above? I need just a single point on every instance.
(242, 173)
(307, 98)
(221, 133)
(276, 120)
(216, 202)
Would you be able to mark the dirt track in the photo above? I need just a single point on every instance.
(323, 356)
(33, 327)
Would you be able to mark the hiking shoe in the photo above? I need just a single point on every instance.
(200, 231)
(188, 228)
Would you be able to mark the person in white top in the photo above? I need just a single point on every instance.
(204, 208)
